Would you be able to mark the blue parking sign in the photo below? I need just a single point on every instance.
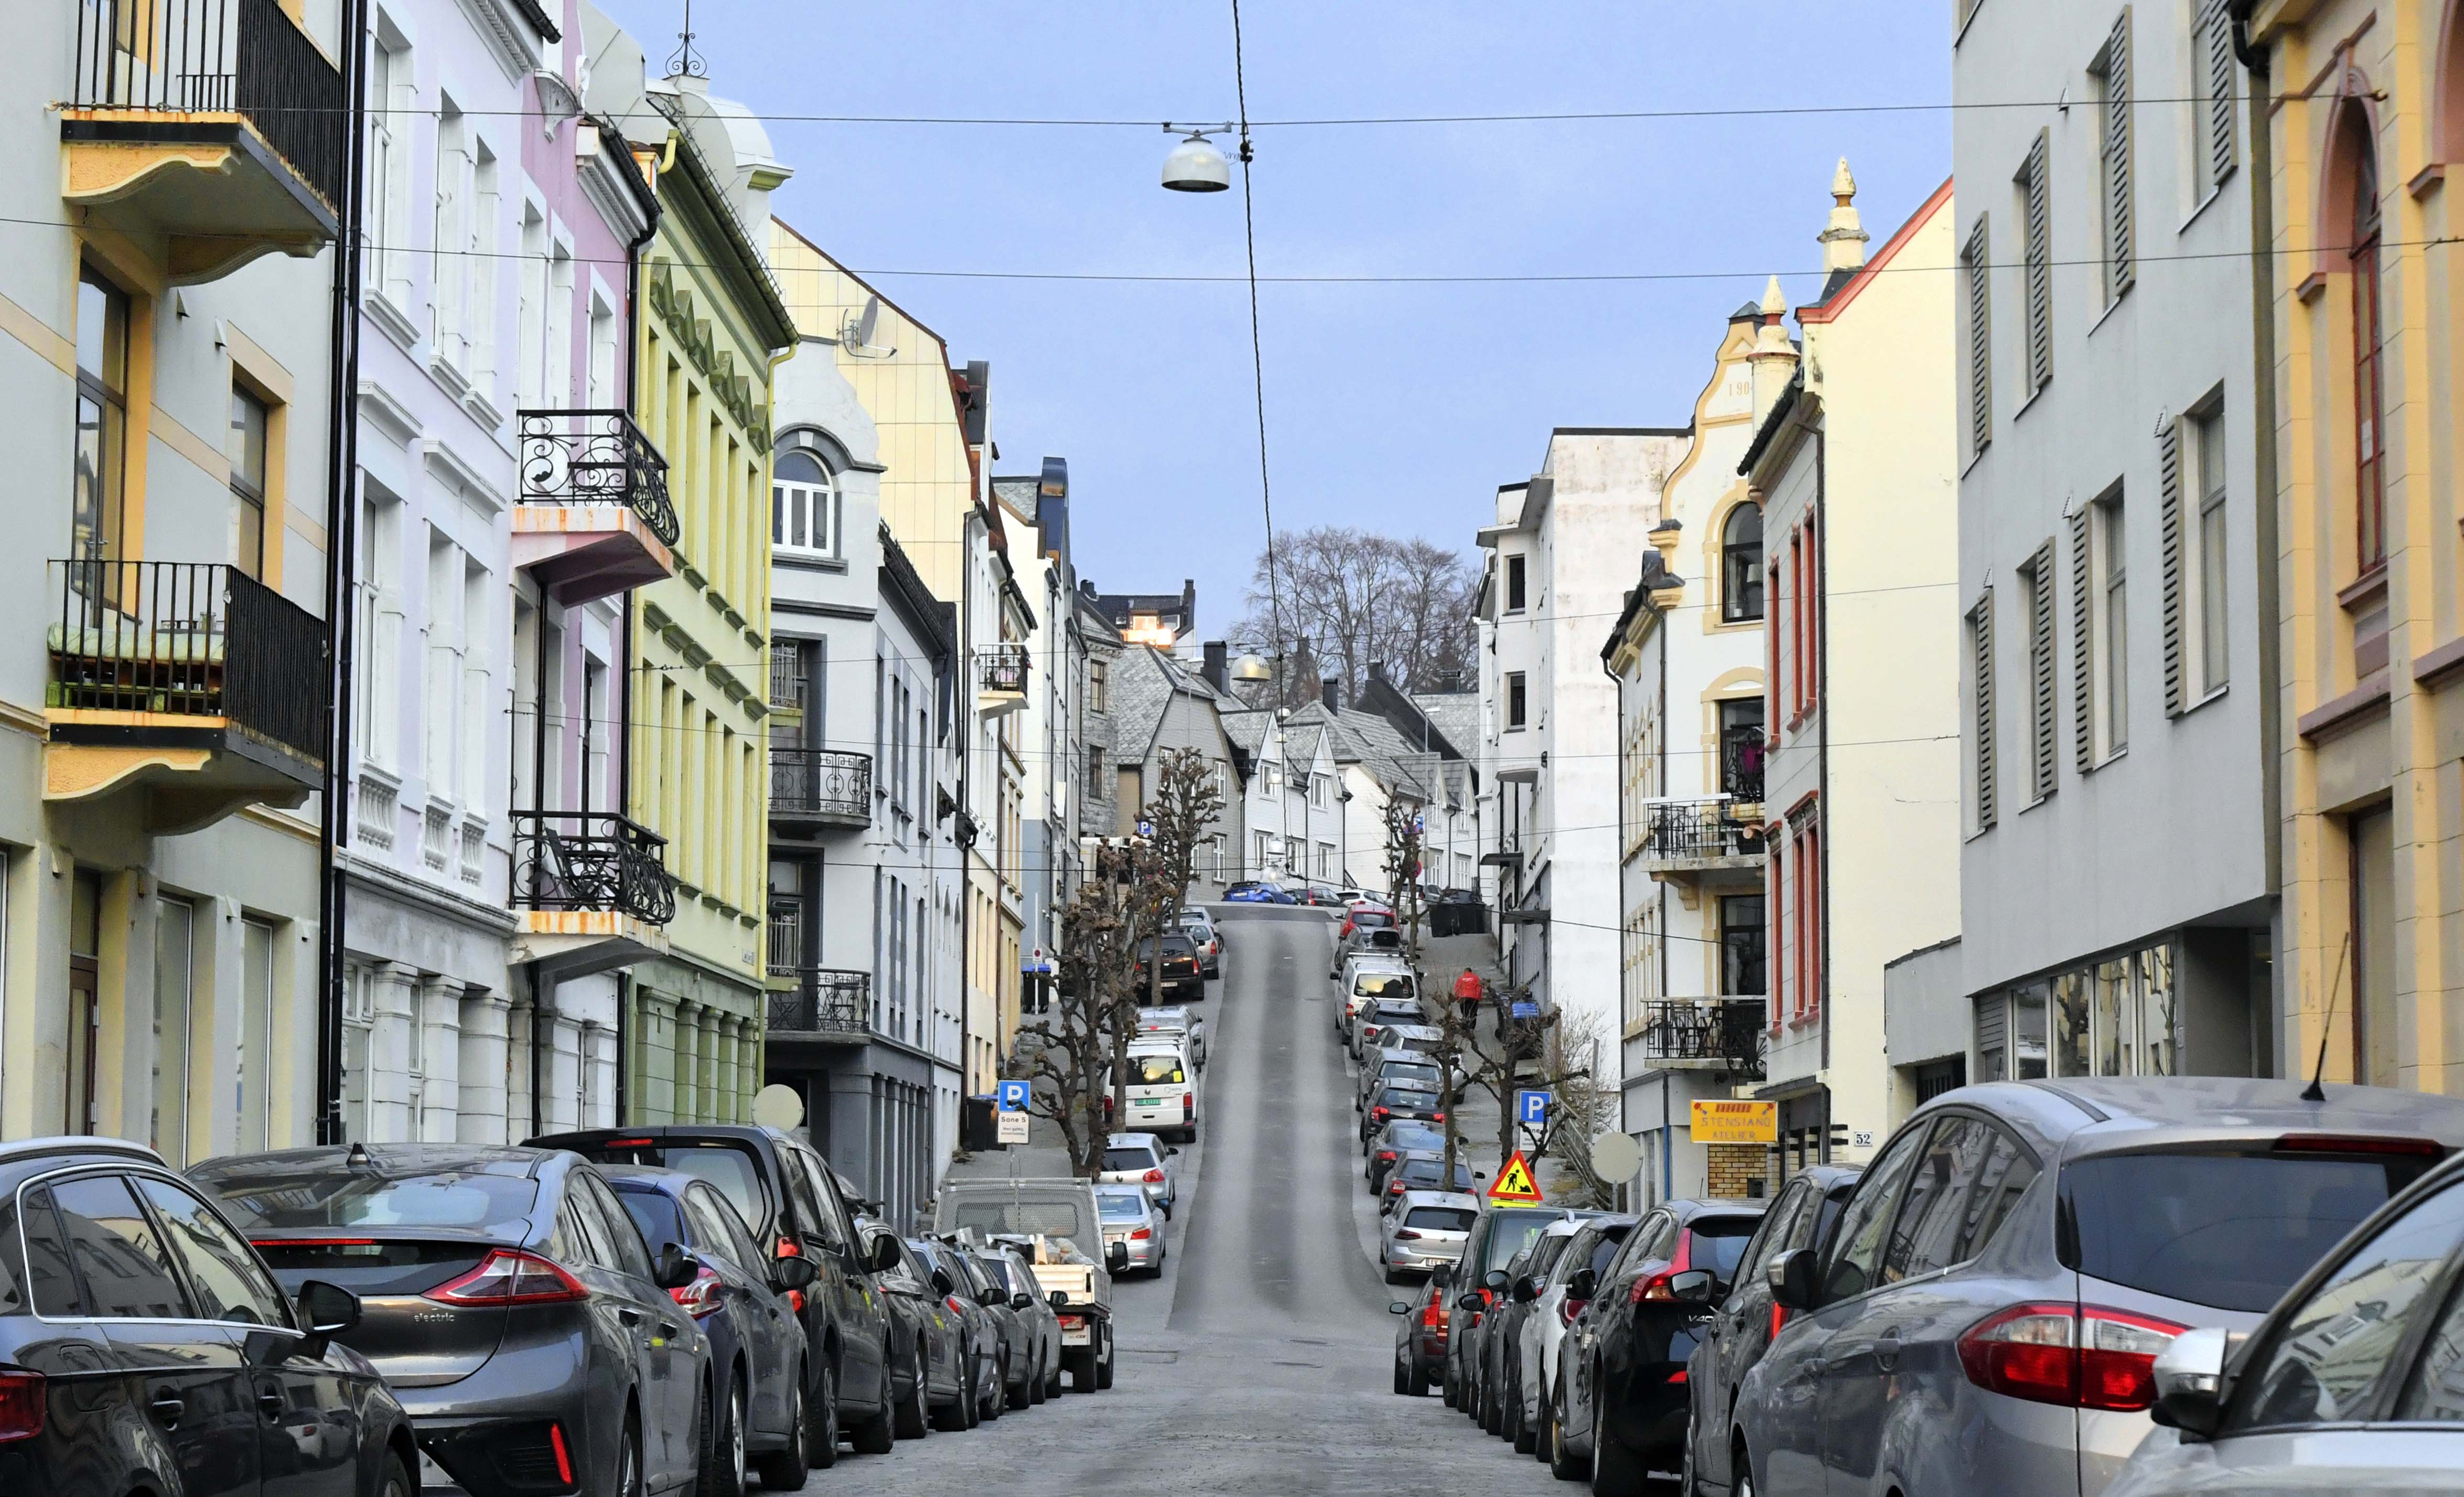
(1010, 1095)
(1532, 1109)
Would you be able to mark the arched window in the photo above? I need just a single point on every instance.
(803, 505)
(2370, 399)
(1740, 564)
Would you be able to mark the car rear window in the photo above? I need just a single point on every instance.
(1052, 1215)
(655, 1213)
(1719, 1243)
(1129, 1159)
(1381, 984)
(495, 1197)
(2228, 1230)
(1120, 1207)
(1154, 1070)
(1440, 1218)
(1410, 1071)
(731, 1167)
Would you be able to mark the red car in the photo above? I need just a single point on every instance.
(1365, 916)
(1420, 1340)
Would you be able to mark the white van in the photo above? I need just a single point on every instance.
(1161, 1090)
(1367, 980)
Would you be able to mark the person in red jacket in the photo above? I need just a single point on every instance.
(1467, 994)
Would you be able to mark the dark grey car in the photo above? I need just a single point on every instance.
(506, 1297)
(1991, 1306)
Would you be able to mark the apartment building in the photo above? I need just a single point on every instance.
(1290, 817)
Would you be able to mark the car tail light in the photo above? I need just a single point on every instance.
(1385, 1156)
(1433, 1316)
(1188, 1107)
(1568, 1309)
(788, 1249)
(796, 1301)
(956, 1308)
(2078, 1357)
(1676, 1376)
(2357, 1143)
(263, 1243)
(1072, 1322)
(1155, 1177)
(1142, 1234)
(1379, 1113)
(1437, 1118)
(564, 1457)
(1650, 1286)
(629, 1143)
(24, 1401)
(1779, 1318)
(1407, 1235)
(701, 1296)
(510, 1276)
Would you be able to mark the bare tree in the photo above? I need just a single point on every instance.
(1582, 1109)
(1349, 598)
(1064, 1052)
(1180, 816)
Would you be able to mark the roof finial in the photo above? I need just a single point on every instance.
(1844, 237)
(1775, 300)
(684, 63)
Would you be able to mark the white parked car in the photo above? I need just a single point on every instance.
(1161, 1089)
(1596, 1239)
(1175, 1021)
(1143, 1160)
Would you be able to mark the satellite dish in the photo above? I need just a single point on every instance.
(1616, 1157)
(776, 1106)
(855, 336)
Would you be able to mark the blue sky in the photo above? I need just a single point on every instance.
(1388, 406)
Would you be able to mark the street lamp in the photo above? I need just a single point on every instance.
(1195, 165)
(1252, 668)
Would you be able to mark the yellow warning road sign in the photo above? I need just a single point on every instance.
(1514, 1186)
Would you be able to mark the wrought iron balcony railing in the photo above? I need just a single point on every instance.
(591, 860)
(1699, 832)
(1002, 669)
(596, 457)
(196, 639)
(1725, 1034)
(825, 1001)
(218, 56)
(1740, 764)
(821, 784)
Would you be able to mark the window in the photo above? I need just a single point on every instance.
(175, 923)
(1805, 867)
(2437, 1390)
(102, 418)
(1099, 686)
(1514, 583)
(450, 280)
(2035, 228)
(1975, 267)
(2113, 628)
(245, 446)
(2211, 85)
(252, 1080)
(2036, 583)
(1741, 564)
(228, 1282)
(803, 505)
(1742, 745)
(1741, 945)
(1925, 1238)
(1865, 1224)
(606, 329)
(392, 101)
(2110, 76)
(1980, 665)
(1515, 700)
(126, 1270)
(2215, 634)
(2369, 347)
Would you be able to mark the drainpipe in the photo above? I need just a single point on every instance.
(1821, 748)
(342, 531)
(624, 797)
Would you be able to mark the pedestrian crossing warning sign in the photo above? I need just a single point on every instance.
(1514, 1186)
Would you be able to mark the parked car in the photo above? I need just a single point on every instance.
(1033, 1305)
(1143, 1160)
(1421, 1338)
(983, 1329)
(506, 1297)
(1425, 1169)
(739, 1298)
(1622, 1388)
(1174, 1021)
(1254, 892)
(1053, 1226)
(1802, 1215)
(2353, 1383)
(1181, 979)
(1200, 927)
(1554, 1307)
(1367, 976)
(1382, 1015)
(1401, 1135)
(1322, 896)
(1365, 928)
(1421, 1038)
(1162, 1090)
(139, 1302)
(1394, 1101)
(1500, 1233)
(2099, 1217)
(1501, 1361)
(928, 1346)
(1390, 1063)
(796, 1207)
(1424, 1232)
(1133, 1218)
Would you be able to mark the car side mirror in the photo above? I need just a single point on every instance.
(1472, 1301)
(1117, 1257)
(326, 1311)
(2190, 1378)
(885, 1254)
(1022, 1300)
(1057, 1299)
(942, 1284)
(1791, 1278)
(1169, 1150)
(673, 1268)
(1400, 1308)
(1497, 1281)
(1582, 1285)
(1695, 1285)
(790, 1274)
(1526, 1289)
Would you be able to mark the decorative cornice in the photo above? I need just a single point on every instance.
(734, 391)
(512, 36)
(441, 457)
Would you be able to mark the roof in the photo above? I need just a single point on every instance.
(1454, 713)
(2232, 1102)
(1142, 689)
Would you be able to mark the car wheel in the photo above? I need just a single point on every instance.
(913, 1420)
(1563, 1464)
(822, 1425)
(875, 1436)
(1104, 1367)
(785, 1471)
(722, 1448)
(1492, 1407)
(995, 1401)
(395, 1482)
(1526, 1431)
(1616, 1471)
(1082, 1372)
(1741, 1472)
(1405, 1384)
(1445, 1390)
(951, 1417)
(1392, 1277)
(629, 1458)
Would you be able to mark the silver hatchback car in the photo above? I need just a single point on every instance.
(1425, 1232)
(1988, 1313)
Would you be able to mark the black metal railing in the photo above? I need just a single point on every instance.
(244, 56)
(1742, 751)
(1003, 667)
(1700, 829)
(1727, 1033)
(806, 782)
(191, 639)
(595, 457)
(591, 860)
(825, 1001)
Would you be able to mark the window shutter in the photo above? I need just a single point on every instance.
(2042, 649)
(2221, 83)
(1980, 340)
(2039, 258)
(2083, 648)
(1981, 637)
(2168, 473)
(2119, 245)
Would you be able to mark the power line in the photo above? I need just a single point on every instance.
(1257, 349)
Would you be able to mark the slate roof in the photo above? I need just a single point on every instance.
(1144, 680)
(1454, 713)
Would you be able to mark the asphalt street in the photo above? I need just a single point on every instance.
(1260, 1362)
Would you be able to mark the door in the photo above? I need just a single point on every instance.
(1738, 1330)
(664, 1341)
(85, 945)
(309, 1433)
(183, 1372)
(772, 1340)
(863, 1317)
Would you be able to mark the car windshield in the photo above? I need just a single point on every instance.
(1119, 1207)
(728, 1165)
(2229, 1231)
(1440, 1218)
(1052, 1215)
(653, 1212)
(494, 1195)
(1719, 1243)
(1370, 920)
(1132, 1158)
(1412, 1135)
(1155, 1071)
(1407, 1096)
(1382, 984)
(1419, 1173)
(1513, 1232)
(1412, 1071)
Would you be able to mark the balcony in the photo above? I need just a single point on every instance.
(592, 890)
(188, 686)
(812, 789)
(820, 1004)
(216, 129)
(1701, 836)
(1000, 680)
(1724, 1034)
(593, 517)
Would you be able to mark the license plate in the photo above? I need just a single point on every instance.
(1078, 1337)
(1147, 1101)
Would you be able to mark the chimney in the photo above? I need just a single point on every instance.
(1214, 671)
(1377, 669)
(1329, 691)
(1188, 603)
